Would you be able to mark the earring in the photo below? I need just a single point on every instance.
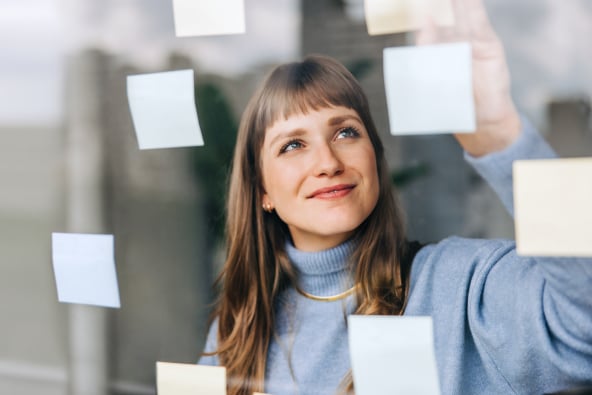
(267, 207)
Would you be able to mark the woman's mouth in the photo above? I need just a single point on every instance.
(332, 192)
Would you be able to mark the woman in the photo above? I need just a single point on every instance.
(314, 234)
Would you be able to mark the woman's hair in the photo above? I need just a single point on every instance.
(257, 267)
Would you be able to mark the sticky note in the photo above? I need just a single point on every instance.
(189, 379)
(392, 355)
(553, 207)
(163, 109)
(394, 16)
(208, 17)
(84, 268)
(429, 89)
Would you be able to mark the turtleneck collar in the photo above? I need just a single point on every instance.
(324, 272)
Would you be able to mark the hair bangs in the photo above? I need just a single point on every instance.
(310, 85)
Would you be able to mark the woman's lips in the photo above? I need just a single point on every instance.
(332, 192)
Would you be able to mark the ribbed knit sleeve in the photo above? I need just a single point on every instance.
(505, 323)
(496, 168)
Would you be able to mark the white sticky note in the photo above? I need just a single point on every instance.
(208, 17)
(429, 89)
(189, 379)
(393, 355)
(163, 109)
(394, 16)
(84, 268)
(553, 207)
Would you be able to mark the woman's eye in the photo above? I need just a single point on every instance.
(290, 146)
(348, 132)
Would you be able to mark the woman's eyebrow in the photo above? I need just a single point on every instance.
(337, 120)
(286, 135)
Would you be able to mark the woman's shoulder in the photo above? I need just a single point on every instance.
(455, 254)
(210, 345)
(456, 246)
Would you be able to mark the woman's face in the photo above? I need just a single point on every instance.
(320, 175)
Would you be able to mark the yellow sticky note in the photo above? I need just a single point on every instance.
(394, 16)
(208, 17)
(189, 379)
(553, 207)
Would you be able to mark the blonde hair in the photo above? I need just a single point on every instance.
(257, 267)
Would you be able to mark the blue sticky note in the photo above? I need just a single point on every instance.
(429, 89)
(393, 355)
(163, 109)
(84, 268)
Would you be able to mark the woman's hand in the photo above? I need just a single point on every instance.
(498, 122)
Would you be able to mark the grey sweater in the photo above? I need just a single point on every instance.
(503, 324)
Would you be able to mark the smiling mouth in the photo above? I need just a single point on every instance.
(332, 192)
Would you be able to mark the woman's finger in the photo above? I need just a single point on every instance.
(428, 32)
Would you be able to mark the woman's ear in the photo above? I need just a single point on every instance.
(266, 203)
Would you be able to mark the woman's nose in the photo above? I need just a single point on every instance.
(327, 162)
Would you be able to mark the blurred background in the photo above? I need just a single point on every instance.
(69, 162)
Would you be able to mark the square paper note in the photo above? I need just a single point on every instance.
(189, 379)
(553, 207)
(208, 17)
(163, 109)
(393, 355)
(393, 16)
(84, 268)
(429, 89)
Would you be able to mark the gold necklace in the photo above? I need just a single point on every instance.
(331, 298)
